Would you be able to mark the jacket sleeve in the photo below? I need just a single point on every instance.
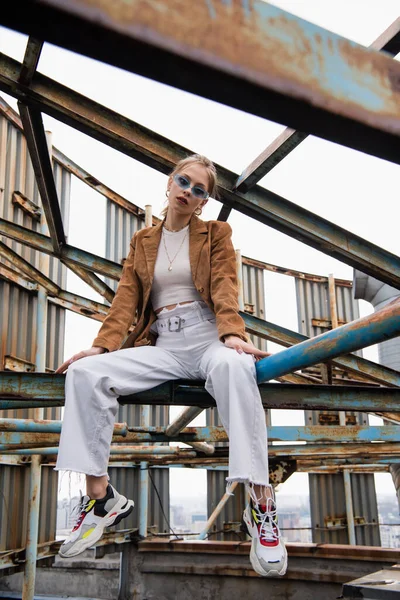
(224, 285)
(123, 308)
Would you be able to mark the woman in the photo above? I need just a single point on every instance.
(180, 280)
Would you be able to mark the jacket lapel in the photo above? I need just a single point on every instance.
(151, 242)
(197, 237)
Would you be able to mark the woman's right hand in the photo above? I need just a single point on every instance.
(90, 352)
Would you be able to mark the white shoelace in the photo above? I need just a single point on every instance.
(268, 527)
(79, 508)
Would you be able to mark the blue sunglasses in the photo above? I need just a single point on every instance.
(184, 183)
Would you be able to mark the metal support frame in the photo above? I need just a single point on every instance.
(349, 507)
(162, 154)
(289, 139)
(41, 242)
(348, 493)
(286, 91)
(92, 280)
(47, 433)
(293, 91)
(38, 150)
(49, 388)
(71, 301)
(28, 590)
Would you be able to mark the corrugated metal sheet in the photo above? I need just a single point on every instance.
(254, 295)
(327, 502)
(14, 484)
(18, 331)
(120, 227)
(327, 496)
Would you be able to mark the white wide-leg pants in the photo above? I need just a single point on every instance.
(94, 383)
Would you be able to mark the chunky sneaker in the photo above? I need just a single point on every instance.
(94, 517)
(268, 554)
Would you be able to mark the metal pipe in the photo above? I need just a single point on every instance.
(14, 404)
(46, 426)
(131, 450)
(217, 511)
(148, 216)
(342, 422)
(183, 419)
(382, 325)
(144, 476)
(355, 364)
(202, 447)
(28, 589)
(143, 498)
(349, 507)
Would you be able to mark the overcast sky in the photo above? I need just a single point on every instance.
(354, 190)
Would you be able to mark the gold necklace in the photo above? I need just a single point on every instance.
(166, 251)
(174, 230)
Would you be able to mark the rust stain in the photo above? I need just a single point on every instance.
(275, 51)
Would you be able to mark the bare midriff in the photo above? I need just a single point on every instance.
(171, 306)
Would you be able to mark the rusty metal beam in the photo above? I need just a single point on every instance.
(31, 60)
(70, 166)
(27, 387)
(382, 450)
(47, 433)
(12, 276)
(289, 139)
(346, 452)
(287, 70)
(259, 264)
(92, 280)
(39, 153)
(73, 302)
(389, 40)
(162, 154)
(312, 467)
(80, 305)
(41, 242)
(29, 270)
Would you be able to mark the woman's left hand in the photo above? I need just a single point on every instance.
(236, 343)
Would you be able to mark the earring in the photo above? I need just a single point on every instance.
(167, 193)
(198, 211)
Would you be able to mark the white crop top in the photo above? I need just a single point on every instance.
(172, 282)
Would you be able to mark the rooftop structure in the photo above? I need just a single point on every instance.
(287, 70)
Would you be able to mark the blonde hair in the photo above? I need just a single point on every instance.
(200, 160)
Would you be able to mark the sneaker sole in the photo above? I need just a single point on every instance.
(260, 570)
(83, 544)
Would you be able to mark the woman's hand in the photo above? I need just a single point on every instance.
(236, 343)
(90, 352)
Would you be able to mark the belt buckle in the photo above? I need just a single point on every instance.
(178, 324)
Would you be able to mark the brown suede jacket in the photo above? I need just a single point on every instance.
(213, 266)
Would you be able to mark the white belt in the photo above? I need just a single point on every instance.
(176, 323)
